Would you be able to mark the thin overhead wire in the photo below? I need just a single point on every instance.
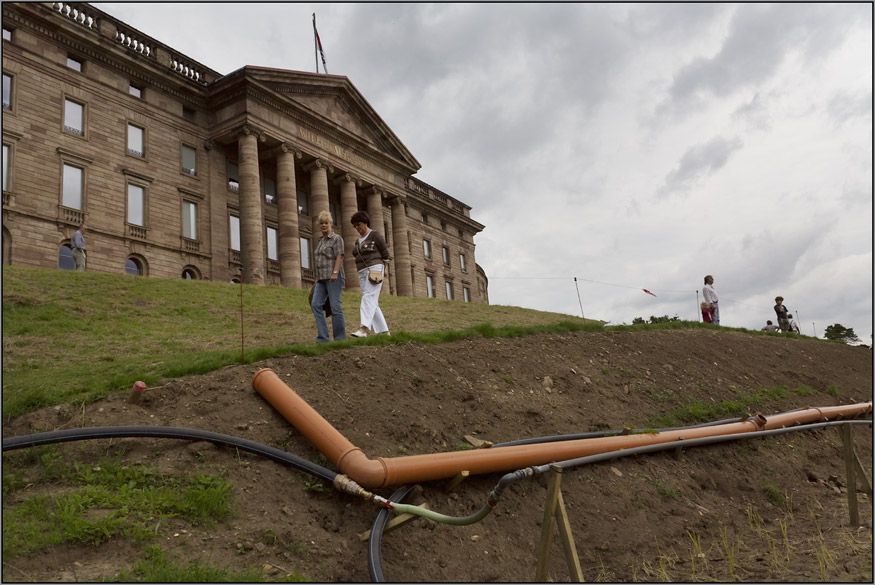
(659, 290)
(586, 280)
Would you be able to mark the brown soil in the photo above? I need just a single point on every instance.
(633, 519)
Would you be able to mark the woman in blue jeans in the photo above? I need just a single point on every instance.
(329, 281)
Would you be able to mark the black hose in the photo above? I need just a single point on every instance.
(87, 433)
(527, 472)
(614, 433)
(375, 542)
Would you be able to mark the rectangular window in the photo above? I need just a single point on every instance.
(449, 291)
(136, 141)
(429, 286)
(462, 263)
(272, 244)
(303, 209)
(136, 91)
(269, 190)
(136, 205)
(7, 92)
(332, 209)
(72, 187)
(189, 220)
(189, 160)
(446, 254)
(74, 118)
(6, 167)
(424, 218)
(188, 114)
(466, 294)
(233, 177)
(74, 63)
(426, 248)
(305, 253)
(7, 34)
(235, 233)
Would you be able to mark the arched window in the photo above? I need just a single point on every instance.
(190, 273)
(65, 258)
(133, 267)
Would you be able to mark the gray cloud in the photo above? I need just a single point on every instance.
(759, 40)
(578, 132)
(847, 106)
(698, 163)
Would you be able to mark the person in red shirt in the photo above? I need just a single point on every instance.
(707, 313)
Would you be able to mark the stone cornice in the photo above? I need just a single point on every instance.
(12, 135)
(189, 193)
(69, 153)
(137, 175)
(95, 53)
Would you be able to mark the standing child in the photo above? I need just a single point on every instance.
(781, 312)
(707, 313)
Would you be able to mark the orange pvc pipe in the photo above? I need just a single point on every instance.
(380, 472)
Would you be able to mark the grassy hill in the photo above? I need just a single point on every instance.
(771, 509)
(76, 337)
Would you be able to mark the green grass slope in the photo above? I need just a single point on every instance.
(76, 337)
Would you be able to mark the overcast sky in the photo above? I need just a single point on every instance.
(629, 145)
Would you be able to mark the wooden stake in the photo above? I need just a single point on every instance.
(547, 525)
(862, 473)
(568, 543)
(395, 522)
(454, 483)
(554, 511)
(850, 472)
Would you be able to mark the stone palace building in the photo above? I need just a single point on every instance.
(182, 172)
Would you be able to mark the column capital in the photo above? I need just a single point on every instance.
(396, 198)
(348, 178)
(289, 147)
(318, 164)
(249, 129)
(374, 190)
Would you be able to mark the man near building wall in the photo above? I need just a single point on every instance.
(78, 244)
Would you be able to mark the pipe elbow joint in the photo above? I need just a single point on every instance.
(368, 473)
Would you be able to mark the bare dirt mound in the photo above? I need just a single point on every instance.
(770, 509)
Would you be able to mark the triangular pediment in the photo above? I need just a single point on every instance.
(335, 100)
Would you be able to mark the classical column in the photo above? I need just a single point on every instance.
(287, 215)
(375, 208)
(251, 221)
(401, 252)
(348, 206)
(318, 170)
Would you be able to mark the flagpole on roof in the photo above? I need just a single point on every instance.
(315, 44)
(319, 51)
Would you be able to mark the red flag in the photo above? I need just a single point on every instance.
(648, 292)
(319, 46)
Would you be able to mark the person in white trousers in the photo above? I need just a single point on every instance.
(711, 298)
(372, 262)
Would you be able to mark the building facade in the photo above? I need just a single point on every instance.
(180, 171)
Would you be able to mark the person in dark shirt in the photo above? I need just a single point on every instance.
(781, 311)
(77, 242)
